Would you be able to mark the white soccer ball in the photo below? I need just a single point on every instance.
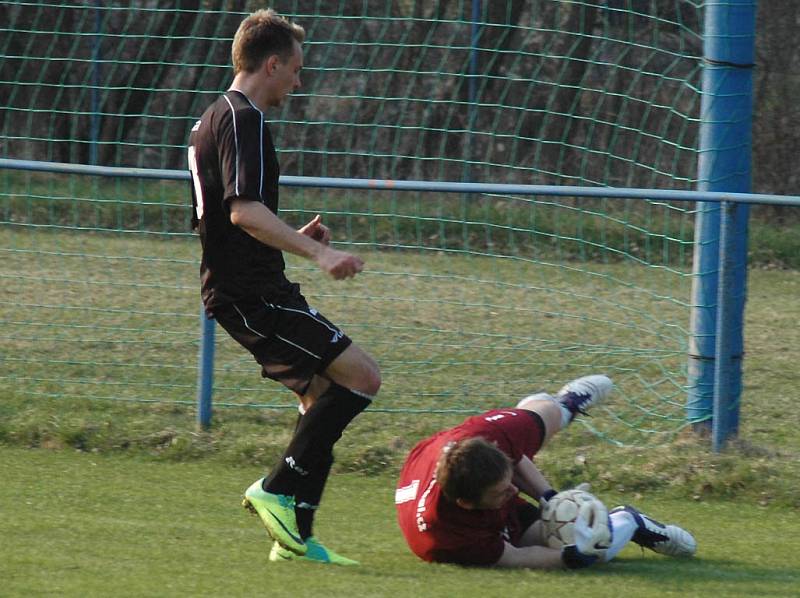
(559, 514)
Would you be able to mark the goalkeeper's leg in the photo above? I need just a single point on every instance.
(669, 539)
(573, 399)
(544, 406)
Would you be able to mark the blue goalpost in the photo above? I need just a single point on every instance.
(720, 256)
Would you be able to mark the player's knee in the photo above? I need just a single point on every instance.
(546, 407)
(358, 372)
(372, 380)
(532, 402)
(369, 381)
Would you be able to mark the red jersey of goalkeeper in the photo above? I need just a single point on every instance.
(437, 529)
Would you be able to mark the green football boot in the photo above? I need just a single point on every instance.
(277, 514)
(316, 553)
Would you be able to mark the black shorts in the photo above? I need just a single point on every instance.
(290, 340)
(527, 514)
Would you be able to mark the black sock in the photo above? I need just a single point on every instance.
(300, 415)
(317, 432)
(285, 481)
(308, 496)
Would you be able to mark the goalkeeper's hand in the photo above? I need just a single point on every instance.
(593, 529)
(583, 487)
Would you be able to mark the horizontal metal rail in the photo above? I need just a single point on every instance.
(440, 187)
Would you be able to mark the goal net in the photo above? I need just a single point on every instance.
(469, 301)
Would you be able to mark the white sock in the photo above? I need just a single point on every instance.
(566, 414)
(623, 526)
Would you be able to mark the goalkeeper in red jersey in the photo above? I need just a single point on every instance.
(458, 498)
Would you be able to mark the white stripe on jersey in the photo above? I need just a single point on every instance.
(260, 148)
(236, 141)
(261, 154)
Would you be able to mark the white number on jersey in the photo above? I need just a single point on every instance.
(494, 418)
(198, 189)
(406, 493)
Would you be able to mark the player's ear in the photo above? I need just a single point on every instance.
(466, 504)
(270, 64)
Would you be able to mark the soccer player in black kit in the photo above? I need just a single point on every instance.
(235, 196)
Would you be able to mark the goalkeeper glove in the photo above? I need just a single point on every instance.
(593, 529)
(591, 542)
(575, 559)
(548, 494)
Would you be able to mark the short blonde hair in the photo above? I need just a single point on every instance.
(261, 35)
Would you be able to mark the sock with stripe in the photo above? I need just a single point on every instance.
(311, 448)
(308, 496)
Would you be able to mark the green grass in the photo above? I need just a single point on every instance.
(100, 340)
(82, 524)
(109, 488)
(580, 228)
(113, 318)
(574, 228)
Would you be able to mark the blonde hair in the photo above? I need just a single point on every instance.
(261, 35)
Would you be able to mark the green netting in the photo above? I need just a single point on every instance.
(596, 92)
(468, 302)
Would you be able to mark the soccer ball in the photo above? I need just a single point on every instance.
(559, 514)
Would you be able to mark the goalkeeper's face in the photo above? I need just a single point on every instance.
(496, 495)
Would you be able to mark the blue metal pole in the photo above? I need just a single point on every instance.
(316, 182)
(724, 165)
(205, 370)
(726, 395)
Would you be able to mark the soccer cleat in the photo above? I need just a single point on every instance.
(277, 514)
(580, 394)
(316, 553)
(670, 540)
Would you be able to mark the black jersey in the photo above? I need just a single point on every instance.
(231, 155)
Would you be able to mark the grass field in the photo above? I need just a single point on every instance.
(77, 524)
(109, 488)
(114, 318)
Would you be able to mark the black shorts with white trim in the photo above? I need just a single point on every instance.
(290, 340)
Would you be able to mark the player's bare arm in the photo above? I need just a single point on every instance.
(530, 557)
(258, 221)
(529, 479)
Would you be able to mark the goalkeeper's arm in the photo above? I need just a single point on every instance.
(530, 480)
(530, 557)
(544, 557)
(591, 543)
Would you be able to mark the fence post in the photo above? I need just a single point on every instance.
(726, 395)
(724, 165)
(205, 370)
